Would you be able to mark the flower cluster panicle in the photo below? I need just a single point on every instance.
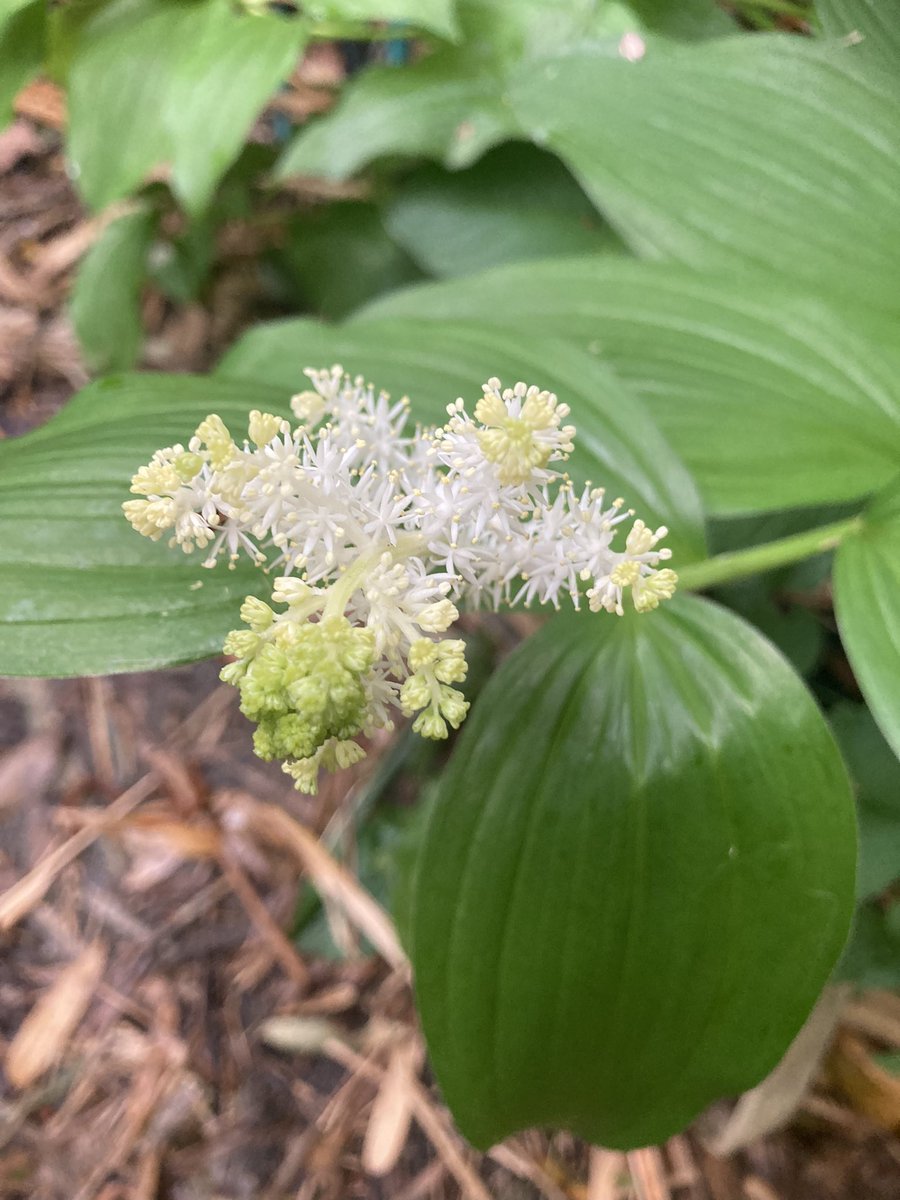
(375, 534)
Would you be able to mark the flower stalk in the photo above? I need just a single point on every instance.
(755, 560)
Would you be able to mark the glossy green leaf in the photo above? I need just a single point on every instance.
(446, 107)
(617, 446)
(512, 31)
(867, 603)
(636, 878)
(872, 27)
(22, 34)
(166, 82)
(105, 304)
(450, 106)
(770, 152)
(876, 772)
(517, 202)
(81, 592)
(767, 394)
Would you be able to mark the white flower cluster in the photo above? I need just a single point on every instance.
(375, 534)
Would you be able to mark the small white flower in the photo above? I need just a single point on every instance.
(377, 536)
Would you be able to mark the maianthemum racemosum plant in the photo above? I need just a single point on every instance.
(374, 535)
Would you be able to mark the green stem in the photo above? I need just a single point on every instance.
(739, 564)
(343, 588)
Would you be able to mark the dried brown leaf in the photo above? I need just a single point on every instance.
(648, 1174)
(605, 1170)
(332, 880)
(391, 1114)
(871, 1090)
(22, 897)
(43, 1036)
(43, 102)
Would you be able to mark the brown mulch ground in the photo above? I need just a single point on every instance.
(161, 1034)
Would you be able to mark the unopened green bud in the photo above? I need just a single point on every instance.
(453, 706)
(242, 643)
(429, 723)
(256, 614)
(415, 694)
(188, 465)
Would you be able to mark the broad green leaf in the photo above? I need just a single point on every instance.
(873, 24)
(510, 31)
(446, 106)
(517, 203)
(167, 82)
(767, 394)
(119, 72)
(339, 258)
(617, 445)
(533, 29)
(80, 592)
(876, 773)
(105, 305)
(770, 152)
(22, 34)
(636, 878)
(450, 106)
(219, 88)
(436, 16)
(867, 603)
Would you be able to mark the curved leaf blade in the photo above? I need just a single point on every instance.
(618, 445)
(105, 303)
(157, 81)
(636, 878)
(447, 107)
(768, 395)
(770, 152)
(452, 105)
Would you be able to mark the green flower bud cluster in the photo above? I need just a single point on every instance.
(333, 756)
(434, 666)
(304, 684)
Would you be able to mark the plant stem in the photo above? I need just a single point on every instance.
(739, 564)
